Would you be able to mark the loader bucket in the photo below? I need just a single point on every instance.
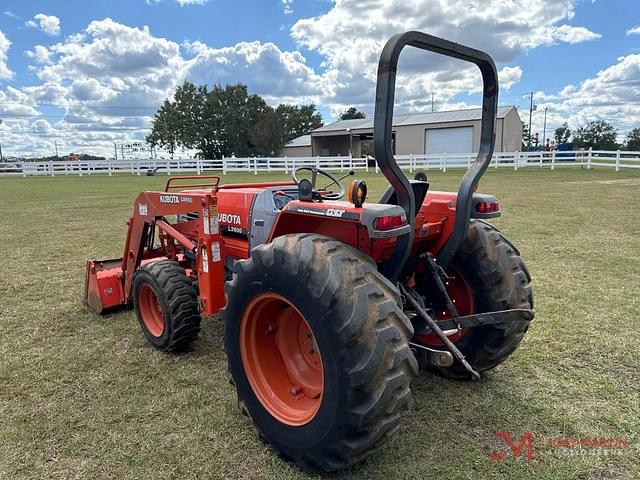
(103, 284)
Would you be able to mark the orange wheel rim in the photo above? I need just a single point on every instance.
(150, 311)
(460, 293)
(281, 359)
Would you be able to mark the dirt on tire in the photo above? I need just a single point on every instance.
(363, 336)
(178, 301)
(499, 280)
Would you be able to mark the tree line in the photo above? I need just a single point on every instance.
(225, 121)
(598, 135)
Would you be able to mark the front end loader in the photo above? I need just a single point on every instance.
(329, 306)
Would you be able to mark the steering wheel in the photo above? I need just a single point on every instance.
(322, 191)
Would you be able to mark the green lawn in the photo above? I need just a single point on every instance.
(84, 396)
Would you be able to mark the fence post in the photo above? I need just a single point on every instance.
(553, 160)
(24, 172)
(53, 174)
(350, 161)
(589, 158)
(318, 162)
(541, 157)
(286, 166)
(617, 160)
(168, 167)
(468, 161)
(255, 165)
(444, 162)
(366, 165)
(495, 162)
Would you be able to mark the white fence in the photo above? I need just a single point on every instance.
(516, 160)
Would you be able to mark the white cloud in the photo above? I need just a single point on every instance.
(39, 53)
(287, 6)
(191, 2)
(350, 37)
(5, 44)
(267, 70)
(613, 94)
(49, 24)
(110, 78)
(634, 31)
(16, 104)
(509, 76)
(570, 34)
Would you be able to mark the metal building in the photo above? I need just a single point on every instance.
(455, 131)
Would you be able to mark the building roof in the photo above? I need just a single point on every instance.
(303, 141)
(413, 119)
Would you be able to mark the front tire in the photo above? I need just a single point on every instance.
(311, 296)
(166, 305)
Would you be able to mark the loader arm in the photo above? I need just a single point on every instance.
(110, 282)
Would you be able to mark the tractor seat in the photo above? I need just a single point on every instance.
(419, 192)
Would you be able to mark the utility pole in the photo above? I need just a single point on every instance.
(432, 104)
(544, 128)
(115, 148)
(1, 159)
(55, 142)
(530, 115)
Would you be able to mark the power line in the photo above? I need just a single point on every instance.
(67, 105)
(60, 132)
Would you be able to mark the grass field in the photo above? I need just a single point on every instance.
(83, 396)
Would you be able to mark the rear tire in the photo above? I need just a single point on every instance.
(166, 304)
(499, 280)
(362, 336)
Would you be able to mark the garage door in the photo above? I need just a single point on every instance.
(449, 140)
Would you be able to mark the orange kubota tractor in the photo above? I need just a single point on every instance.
(328, 305)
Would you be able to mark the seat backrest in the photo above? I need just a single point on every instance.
(419, 192)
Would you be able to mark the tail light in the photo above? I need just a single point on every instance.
(384, 224)
(487, 207)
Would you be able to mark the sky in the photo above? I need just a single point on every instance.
(85, 74)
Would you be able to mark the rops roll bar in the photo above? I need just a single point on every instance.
(382, 135)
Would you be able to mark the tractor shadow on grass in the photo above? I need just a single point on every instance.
(451, 422)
